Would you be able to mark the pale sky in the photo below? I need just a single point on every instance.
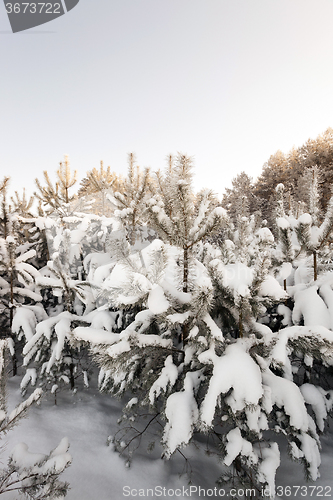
(228, 82)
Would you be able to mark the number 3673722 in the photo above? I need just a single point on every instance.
(33, 8)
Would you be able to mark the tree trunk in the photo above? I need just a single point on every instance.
(185, 273)
(11, 316)
(315, 265)
(240, 324)
(185, 327)
(71, 375)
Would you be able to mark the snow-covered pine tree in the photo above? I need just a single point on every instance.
(96, 185)
(240, 198)
(57, 198)
(172, 359)
(36, 476)
(286, 248)
(130, 201)
(241, 270)
(150, 358)
(22, 206)
(28, 232)
(67, 285)
(275, 171)
(181, 218)
(66, 296)
(312, 230)
(17, 276)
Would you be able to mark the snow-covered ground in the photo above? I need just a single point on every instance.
(87, 418)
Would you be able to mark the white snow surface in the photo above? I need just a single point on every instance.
(267, 468)
(282, 223)
(280, 349)
(284, 311)
(265, 235)
(326, 293)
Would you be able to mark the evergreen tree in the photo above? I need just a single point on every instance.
(286, 251)
(211, 383)
(49, 349)
(130, 202)
(57, 198)
(17, 276)
(97, 184)
(240, 200)
(240, 271)
(319, 152)
(35, 476)
(179, 217)
(22, 206)
(313, 233)
(274, 172)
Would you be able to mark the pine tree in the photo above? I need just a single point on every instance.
(129, 202)
(97, 184)
(274, 172)
(285, 231)
(49, 348)
(241, 271)
(240, 200)
(313, 233)
(4, 208)
(179, 217)
(319, 152)
(180, 327)
(57, 198)
(34, 476)
(51, 354)
(289, 168)
(17, 276)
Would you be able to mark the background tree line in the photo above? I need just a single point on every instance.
(294, 171)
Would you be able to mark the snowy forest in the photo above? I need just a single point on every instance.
(210, 320)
